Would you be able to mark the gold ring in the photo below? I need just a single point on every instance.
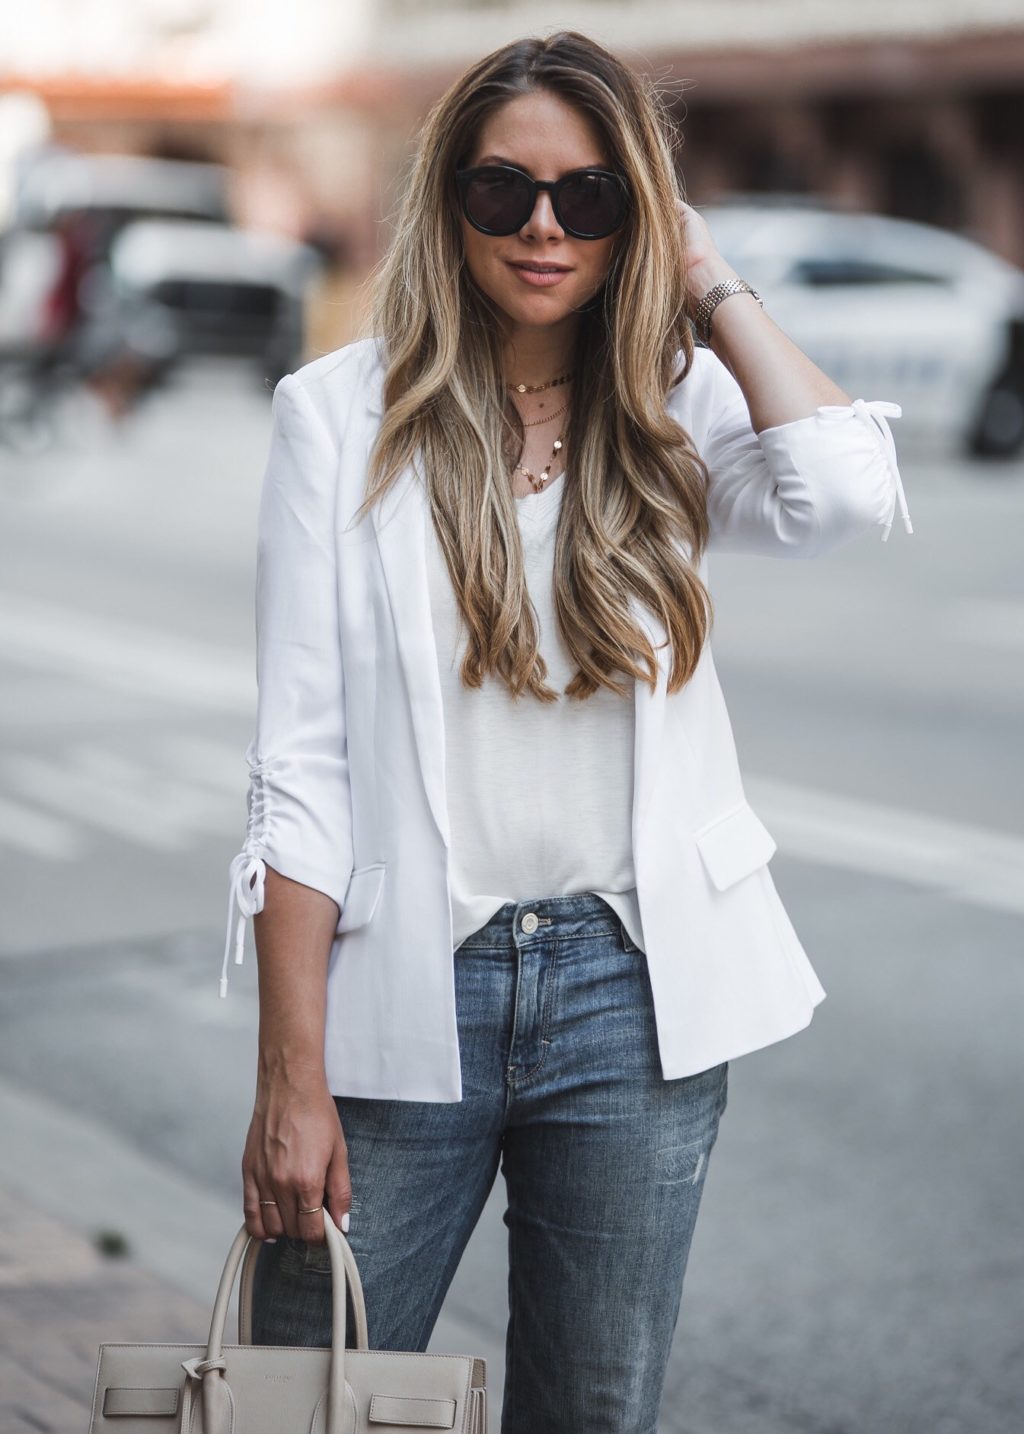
(314, 1210)
(268, 1202)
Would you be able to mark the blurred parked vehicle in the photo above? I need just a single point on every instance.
(212, 289)
(118, 188)
(892, 309)
(68, 210)
(119, 267)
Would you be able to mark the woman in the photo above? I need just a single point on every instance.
(511, 902)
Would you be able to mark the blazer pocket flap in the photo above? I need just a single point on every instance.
(361, 896)
(734, 845)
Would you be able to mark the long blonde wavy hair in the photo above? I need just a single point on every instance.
(635, 486)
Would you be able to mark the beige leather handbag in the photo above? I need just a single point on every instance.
(248, 1388)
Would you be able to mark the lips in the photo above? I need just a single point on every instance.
(537, 275)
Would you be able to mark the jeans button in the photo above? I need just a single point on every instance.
(530, 921)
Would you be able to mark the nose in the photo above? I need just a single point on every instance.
(542, 220)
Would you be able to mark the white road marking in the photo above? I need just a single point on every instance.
(206, 760)
(94, 788)
(195, 795)
(97, 788)
(957, 859)
(38, 834)
(126, 657)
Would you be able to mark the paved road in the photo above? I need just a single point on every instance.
(856, 1268)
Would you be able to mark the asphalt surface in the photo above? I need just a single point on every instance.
(857, 1262)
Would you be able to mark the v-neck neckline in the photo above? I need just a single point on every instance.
(531, 506)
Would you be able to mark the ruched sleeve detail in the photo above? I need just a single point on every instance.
(299, 799)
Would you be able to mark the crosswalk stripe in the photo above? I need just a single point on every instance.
(959, 860)
(207, 761)
(38, 834)
(125, 657)
(106, 791)
(190, 788)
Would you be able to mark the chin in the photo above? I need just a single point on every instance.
(539, 316)
(538, 308)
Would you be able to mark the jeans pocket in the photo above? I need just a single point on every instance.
(628, 944)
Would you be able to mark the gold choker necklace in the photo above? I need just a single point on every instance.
(540, 387)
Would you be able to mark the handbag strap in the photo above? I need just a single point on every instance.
(212, 1367)
(247, 1281)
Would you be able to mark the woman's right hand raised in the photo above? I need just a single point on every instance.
(295, 1154)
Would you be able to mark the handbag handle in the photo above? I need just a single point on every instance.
(217, 1412)
(247, 1280)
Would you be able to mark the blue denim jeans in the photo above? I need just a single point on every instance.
(604, 1163)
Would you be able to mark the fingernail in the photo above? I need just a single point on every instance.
(344, 1222)
(271, 1241)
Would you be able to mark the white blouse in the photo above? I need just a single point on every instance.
(540, 794)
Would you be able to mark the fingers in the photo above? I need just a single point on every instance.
(261, 1213)
(270, 1208)
(300, 1208)
(251, 1207)
(309, 1218)
(338, 1193)
(295, 1163)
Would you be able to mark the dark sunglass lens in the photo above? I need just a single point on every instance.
(498, 200)
(592, 204)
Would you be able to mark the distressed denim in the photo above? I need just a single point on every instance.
(604, 1164)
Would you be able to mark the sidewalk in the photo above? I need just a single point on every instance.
(60, 1298)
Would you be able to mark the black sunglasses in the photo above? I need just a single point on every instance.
(498, 199)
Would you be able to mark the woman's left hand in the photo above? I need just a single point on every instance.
(705, 267)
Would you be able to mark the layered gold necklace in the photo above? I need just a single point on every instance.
(537, 481)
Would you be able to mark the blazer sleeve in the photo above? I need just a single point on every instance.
(802, 488)
(299, 799)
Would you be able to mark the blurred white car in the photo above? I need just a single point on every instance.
(179, 288)
(97, 195)
(892, 309)
(161, 272)
(117, 188)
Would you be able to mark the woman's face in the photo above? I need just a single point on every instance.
(546, 137)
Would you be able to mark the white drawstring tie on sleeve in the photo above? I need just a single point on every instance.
(873, 412)
(247, 873)
(249, 900)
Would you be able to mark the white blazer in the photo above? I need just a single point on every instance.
(347, 789)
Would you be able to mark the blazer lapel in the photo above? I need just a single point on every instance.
(649, 717)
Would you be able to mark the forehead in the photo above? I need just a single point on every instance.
(541, 133)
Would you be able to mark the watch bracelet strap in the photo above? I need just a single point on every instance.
(711, 300)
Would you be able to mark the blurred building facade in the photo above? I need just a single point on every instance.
(913, 108)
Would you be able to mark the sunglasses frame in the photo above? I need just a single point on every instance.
(464, 177)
